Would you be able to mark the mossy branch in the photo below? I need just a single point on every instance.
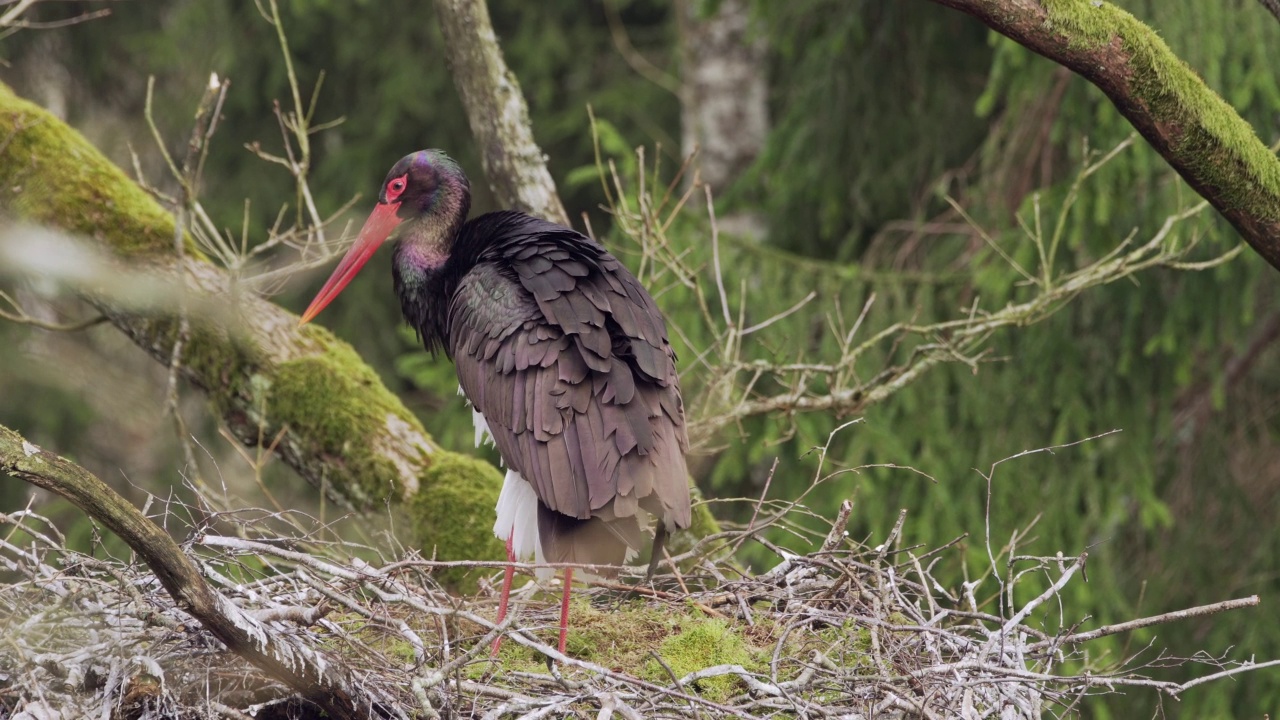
(1195, 130)
(301, 391)
(1272, 6)
(320, 680)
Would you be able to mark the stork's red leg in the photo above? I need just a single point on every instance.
(564, 607)
(507, 576)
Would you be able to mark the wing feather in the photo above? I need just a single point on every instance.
(566, 356)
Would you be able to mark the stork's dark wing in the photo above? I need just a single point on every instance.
(566, 356)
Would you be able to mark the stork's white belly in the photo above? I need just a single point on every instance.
(518, 517)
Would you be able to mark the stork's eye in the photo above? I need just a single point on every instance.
(395, 187)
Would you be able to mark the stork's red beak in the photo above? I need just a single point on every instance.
(381, 222)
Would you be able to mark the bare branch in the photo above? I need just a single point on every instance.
(845, 385)
(22, 317)
(1175, 616)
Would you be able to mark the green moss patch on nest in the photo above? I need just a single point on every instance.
(702, 644)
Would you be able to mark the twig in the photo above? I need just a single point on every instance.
(838, 533)
(20, 316)
(1199, 611)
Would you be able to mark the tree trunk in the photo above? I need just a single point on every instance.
(513, 163)
(724, 89)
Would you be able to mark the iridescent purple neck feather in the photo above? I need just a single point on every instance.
(434, 206)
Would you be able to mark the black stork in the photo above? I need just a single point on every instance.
(563, 355)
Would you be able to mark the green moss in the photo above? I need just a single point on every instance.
(383, 638)
(400, 649)
(703, 522)
(849, 646)
(622, 636)
(700, 645)
(452, 515)
(218, 362)
(1211, 139)
(1084, 24)
(51, 175)
(337, 403)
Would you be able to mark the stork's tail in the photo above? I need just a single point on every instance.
(599, 540)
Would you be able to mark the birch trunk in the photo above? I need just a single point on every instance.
(514, 165)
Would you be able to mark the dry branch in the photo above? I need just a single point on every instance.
(12, 18)
(733, 379)
(853, 630)
(322, 680)
(1196, 131)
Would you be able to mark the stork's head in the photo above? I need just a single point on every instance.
(423, 200)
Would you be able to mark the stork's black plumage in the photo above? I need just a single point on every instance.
(560, 350)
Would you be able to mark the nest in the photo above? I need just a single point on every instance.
(850, 630)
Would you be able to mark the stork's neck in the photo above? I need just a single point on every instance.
(416, 261)
(431, 222)
(421, 263)
(420, 273)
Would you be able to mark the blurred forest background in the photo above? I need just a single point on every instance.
(858, 120)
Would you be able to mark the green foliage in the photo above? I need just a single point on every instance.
(862, 125)
(1145, 501)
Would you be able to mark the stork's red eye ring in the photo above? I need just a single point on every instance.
(396, 186)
